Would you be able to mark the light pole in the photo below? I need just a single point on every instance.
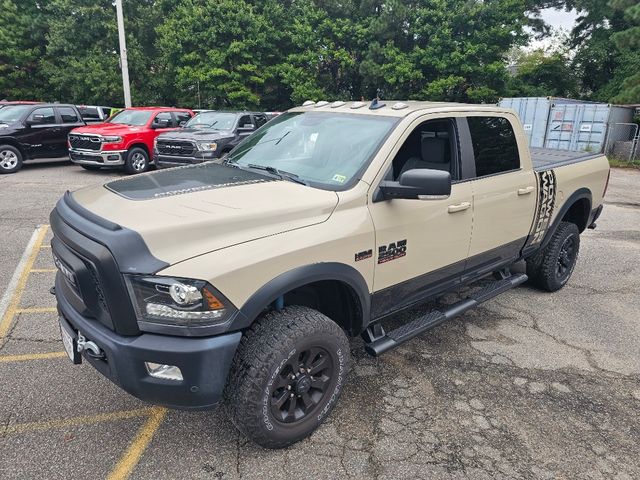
(123, 55)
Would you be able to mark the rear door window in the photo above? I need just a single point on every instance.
(260, 119)
(182, 117)
(68, 115)
(495, 148)
(245, 120)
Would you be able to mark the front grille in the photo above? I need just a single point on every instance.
(85, 142)
(175, 147)
(97, 287)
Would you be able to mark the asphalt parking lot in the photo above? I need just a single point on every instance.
(530, 385)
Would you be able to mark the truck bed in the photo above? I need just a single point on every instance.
(547, 158)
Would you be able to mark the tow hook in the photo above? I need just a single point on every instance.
(89, 347)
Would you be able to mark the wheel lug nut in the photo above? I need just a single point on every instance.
(288, 387)
(308, 370)
(292, 395)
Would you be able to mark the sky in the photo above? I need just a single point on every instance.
(558, 19)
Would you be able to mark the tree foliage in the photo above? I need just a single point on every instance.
(274, 53)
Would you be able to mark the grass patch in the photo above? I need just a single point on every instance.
(620, 163)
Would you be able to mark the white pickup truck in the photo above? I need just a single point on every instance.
(241, 282)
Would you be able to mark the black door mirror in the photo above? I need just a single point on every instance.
(36, 119)
(160, 123)
(247, 127)
(419, 183)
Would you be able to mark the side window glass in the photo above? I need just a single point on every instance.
(244, 120)
(494, 145)
(260, 120)
(43, 115)
(68, 115)
(431, 145)
(163, 117)
(182, 117)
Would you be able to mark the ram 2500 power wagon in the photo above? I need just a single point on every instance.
(32, 131)
(125, 139)
(248, 278)
(207, 136)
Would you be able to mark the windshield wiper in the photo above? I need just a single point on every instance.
(284, 175)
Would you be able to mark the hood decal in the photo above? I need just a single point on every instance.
(183, 180)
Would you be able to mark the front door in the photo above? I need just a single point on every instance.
(43, 133)
(68, 120)
(421, 245)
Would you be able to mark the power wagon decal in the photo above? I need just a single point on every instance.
(546, 204)
(395, 250)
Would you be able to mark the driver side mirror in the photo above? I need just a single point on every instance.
(419, 183)
(160, 123)
(37, 119)
(247, 127)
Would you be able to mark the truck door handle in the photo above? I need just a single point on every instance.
(459, 208)
(525, 191)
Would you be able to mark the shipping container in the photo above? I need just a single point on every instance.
(567, 124)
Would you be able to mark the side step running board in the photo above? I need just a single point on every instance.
(383, 342)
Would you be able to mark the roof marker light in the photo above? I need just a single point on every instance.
(322, 103)
(399, 106)
(337, 104)
(357, 105)
(308, 103)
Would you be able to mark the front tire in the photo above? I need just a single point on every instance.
(552, 267)
(10, 159)
(287, 376)
(137, 161)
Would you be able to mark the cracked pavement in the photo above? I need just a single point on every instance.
(529, 385)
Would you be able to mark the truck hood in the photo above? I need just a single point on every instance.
(109, 129)
(195, 134)
(188, 211)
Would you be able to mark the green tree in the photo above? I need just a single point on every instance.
(543, 74)
(22, 44)
(628, 43)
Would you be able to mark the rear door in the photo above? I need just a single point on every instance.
(68, 119)
(504, 194)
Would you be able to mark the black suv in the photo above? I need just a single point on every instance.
(206, 136)
(29, 132)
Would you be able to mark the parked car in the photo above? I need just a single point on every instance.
(125, 139)
(94, 114)
(207, 136)
(247, 277)
(4, 103)
(35, 131)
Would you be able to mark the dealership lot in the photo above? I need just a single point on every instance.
(529, 385)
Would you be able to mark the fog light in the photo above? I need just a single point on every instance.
(165, 372)
(113, 158)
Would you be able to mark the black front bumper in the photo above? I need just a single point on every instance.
(167, 161)
(204, 362)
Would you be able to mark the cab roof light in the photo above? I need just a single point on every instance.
(322, 103)
(337, 104)
(399, 106)
(355, 105)
(308, 103)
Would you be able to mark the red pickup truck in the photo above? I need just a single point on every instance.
(125, 139)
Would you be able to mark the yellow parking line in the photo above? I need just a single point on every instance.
(7, 318)
(31, 356)
(45, 246)
(43, 270)
(36, 310)
(139, 444)
(76, 421)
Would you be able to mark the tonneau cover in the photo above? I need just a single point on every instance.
(546, 158)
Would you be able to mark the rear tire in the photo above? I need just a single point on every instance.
(551, 268)
(137, 161)
(287, 376)
(10, 159)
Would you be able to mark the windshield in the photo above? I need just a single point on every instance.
(215, 120)
(131, 117)
(328, 149)
(13, 113)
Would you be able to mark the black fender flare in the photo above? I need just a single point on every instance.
(581, 193)
(298, 277)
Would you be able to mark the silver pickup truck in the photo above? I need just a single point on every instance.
(242, 282)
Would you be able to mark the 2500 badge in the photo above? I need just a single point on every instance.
(395, 250)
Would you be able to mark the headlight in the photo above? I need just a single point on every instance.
(4, 125)
(176, 301)
(207, 146)
(111, 139)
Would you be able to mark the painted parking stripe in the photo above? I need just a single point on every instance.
(134, 452)
(11, 298)
(76, 421)
(31, 356)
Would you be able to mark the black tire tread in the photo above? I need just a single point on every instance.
(541, 267)
(260, 347)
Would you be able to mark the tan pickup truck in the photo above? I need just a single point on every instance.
(241, 282)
